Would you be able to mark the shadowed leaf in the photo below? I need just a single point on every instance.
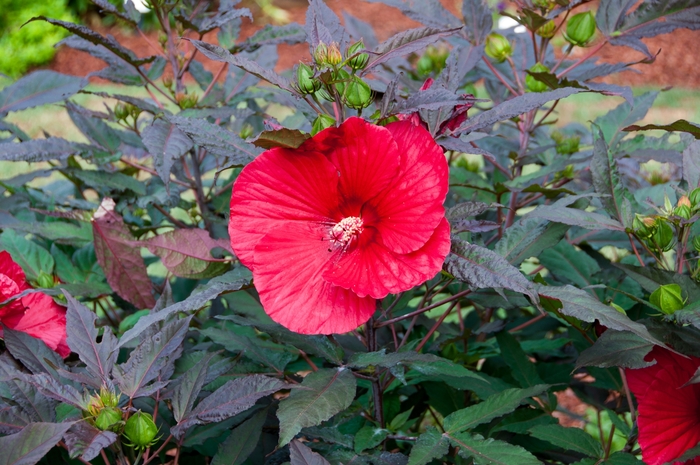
(302, 455)
(241, 442)
(616, 349)
(491, 452)
(166, 143)
(39, 88)
(286, 138)
(31, 444)
(86, 441)
(430, 445)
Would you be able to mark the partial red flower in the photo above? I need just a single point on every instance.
(669, 410)
(352, 215)
(455, 120)
(35, 314)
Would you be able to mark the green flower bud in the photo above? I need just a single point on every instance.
(358, 94)
(387, 120)
(334, 56)
(642, 226)
(45, 280)
(694, 198)
(108, 417)
(683, 211)
(140, 430)
(663, 235)
(618, 308)
(321, 122)
(568, 146)
(306, 83)
(668, 298)
(532, 84)
(321, 54)
(696, 243)
(547, 29)
(358, 61)
(580, 29)
(498, 47)
(133, 111)
(121, 111)
(246, 131)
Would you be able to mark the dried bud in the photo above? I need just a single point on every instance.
(321, 54)
(140, 430)
(108, 417)
(498, 47)
(334, 56)
(547, 29)
(306, 83)
(359, 60)
(532, 84)
(45, 280)
(321, 122)
(668, 298)
(580, 29)
(663, 236)
(694, 198)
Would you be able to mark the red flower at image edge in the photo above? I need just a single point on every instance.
(355, 213)
(669, 411)
(35, 314)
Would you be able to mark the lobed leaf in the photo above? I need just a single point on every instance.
(527, 238)
(521, 367)
(569, 439)
(29, 255)
(241, 442)
(32, 352)
(39, 88)
(616, 349)
(166, 143)
(299, 454)
(31, 444)
(188, 387)
(291, 33)
(86, 441)
(406, 42)
(430, 445)
(51, 148)
(478, 18)
(323, 25)
(428, 12)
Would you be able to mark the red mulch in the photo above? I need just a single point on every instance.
(676, 65)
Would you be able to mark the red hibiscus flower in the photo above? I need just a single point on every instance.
(35, 314)
(352, 215)
(669, 410)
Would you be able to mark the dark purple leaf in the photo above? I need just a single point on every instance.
(188, 387)
(616, 349)
(475, 226)
(121, 261)
(32, 352)
(230, 399)
(86, 441)
(60, 391)
(679, 126)
(51, 148)
(299, 454)
(166, 143)
(187, 253)
(241, 442)
(31, 444)
(466, 210)
(26, 395)
(323, 25)
(406, 42)
(39, 88)
(479, 20)
(12, 419)
(528, 238)
(272, 35)
(428, 12)
(99, 358)
(107, 7)
(691, 165)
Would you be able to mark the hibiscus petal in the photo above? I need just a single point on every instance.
(366, 157)
(669, 417)
(279, 187)
(44, 319)
(640, 380)
(288, 270)
(411, 208)
(12, 270)
(373, 270)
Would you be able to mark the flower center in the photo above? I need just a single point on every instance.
(346, 230)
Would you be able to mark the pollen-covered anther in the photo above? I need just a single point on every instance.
(346, 230)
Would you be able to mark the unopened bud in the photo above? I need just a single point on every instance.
(321, 122)
(45, 281)
(683, 211)
(359, 61)
(107, 418)
(569, 145)
(121, 111)
(532, 84)
(246, 131)
(618, 308)
(684, 201)
(696, 243)
(547, 29)
(306, 83)
(140, 430)
(168, 81)
(668, 298)
(694, 198)
(334, 55)
(497, 47)
(357, 94)
(321, 54)
(643, 226)
(580, 29)
(663, 235)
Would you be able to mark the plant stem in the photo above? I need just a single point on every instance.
(424, 309)
(199, 192)
(499, 76)
(593, 51)
(435, 326)
(371, 336)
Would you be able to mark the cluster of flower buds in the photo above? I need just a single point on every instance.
(185, 100)
(123, 110)
(322, 122)
(103, 410)
(532, 84)
(668, 298)
(657, 232)
(580, 29)
(498, 47)
(355, 92)
(547, 30)
(433, 60)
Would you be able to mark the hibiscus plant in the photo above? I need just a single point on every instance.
(392, 253)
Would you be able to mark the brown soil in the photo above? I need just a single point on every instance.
(676, 65)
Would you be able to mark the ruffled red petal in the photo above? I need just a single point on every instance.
(43, 319)
(669, 411)
(279, 187)
(367, 159)
(12, 270)
(289, 267)
(411, 208)
(12, 282)
(373, 270)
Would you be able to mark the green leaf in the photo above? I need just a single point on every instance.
(575, 217)
(187, 253)
(29, 445)
(231, 281)
(528, 238)
(29, 255)
(241, 442)
(616, 349)
(285, 138)
(273, 355)
(491, 452)
(328, 392)
(569, 439)
(430, 445)
(616, 199)
(482, 268)
(166, 143)
(59, 231)
(582, 305)
(677, 126)
(39, 88)
(368, 437)
(494, 406)
(522, 369)
(652, 278)
(569, 265)
(96, 130)
(399, 420)
(302, 455)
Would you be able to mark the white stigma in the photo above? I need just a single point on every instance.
(346, 230)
